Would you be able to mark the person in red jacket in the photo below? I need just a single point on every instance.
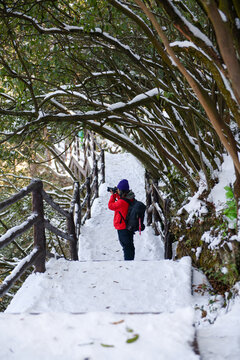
(120, 208)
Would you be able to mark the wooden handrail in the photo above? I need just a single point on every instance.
(20, 195)
(11, 234)
(72, 155)
(53, 204)
(57, 231)
(73, 216)
(158, 213)
(24, 264)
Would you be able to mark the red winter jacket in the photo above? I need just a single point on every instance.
(117, 204)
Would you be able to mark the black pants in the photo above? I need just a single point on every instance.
(126, 240)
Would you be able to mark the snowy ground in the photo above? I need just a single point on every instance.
(217, 326)
(222, 339)
(80, 310)
(102, 244)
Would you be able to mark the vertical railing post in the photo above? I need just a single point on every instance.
(85, 162)
(88, 188)
(78, 211)
(78, 149)
(96, 178)
(167, 233)
(88, 144)
(156, 217)
(93, 147)
(72, 232)
(148, 198)
(39, 229)
(73, 222)
(102, 155)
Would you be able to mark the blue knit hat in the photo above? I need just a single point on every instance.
(123, 185)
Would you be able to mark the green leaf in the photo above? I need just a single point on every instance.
(107, 346)
(232, 205)
(129, 329)
(229, 192)
(231, 213)
(229, 195)
(133, 339)
(93, 2)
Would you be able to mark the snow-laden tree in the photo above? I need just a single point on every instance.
(156, 77)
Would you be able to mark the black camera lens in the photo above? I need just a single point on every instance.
(113, 189)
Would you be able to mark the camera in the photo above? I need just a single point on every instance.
(113, 189)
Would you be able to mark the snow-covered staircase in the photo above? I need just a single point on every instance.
(113, 286)
(102, 307)
(102, 310)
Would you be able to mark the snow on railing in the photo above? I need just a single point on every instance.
(23, 265)
(37, 257)
(88, 190)
(80, 154)
(12, 233)
(158, 214)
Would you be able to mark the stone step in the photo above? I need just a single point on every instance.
(114, 286)
(98, 336)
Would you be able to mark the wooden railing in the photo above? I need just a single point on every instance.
(158, 214)
(90, 188)
(79, 211)
(79, 156)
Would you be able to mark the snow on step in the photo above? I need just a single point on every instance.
(114, 286)
(97, 336)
